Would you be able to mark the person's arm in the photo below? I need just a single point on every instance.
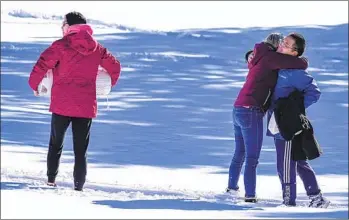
(284, 61)
(111, 65)
(305, 82)
(48, 60)
(311, 91)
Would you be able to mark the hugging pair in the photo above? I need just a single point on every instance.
(276, 70)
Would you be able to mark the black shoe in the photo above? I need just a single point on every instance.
(51, 184)
(78, 185)
(251, 199)
(51, 179)
(78, 189)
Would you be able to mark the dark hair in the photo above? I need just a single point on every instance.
(75, 18)
(299, 43)
(248, 54)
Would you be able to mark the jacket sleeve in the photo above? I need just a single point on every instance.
(111, 65)
(47, 60)
(311, 91)
(306, 83)
(283, 61)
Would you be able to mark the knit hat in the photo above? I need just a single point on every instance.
(274, 39)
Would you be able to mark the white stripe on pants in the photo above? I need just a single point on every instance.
(287, 162)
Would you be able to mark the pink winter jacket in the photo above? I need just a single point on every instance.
(74, 59)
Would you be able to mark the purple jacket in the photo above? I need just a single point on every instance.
(262, 76)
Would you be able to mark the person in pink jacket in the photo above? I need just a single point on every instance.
(74, 60)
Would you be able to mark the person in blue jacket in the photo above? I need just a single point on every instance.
(288, 81)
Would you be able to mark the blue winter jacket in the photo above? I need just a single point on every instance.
(288, 81)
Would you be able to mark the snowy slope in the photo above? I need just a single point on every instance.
(163, 148)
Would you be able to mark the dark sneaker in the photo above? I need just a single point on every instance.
(251, 199)
(51, 184)
(78, 186)
(78, 189)
(51, 179)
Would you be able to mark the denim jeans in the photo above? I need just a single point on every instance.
(248, 129)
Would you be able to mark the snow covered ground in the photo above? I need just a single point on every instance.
(141, 191)
(163, 148)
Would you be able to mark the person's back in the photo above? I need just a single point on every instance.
(74, 61)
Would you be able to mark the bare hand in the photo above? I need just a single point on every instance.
(36, 93)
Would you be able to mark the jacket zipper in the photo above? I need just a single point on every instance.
(269, 93)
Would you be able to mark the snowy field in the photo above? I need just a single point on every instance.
(163, 148)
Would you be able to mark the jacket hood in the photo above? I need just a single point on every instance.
(80, 38)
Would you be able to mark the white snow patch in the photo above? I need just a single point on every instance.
(334, 82)
(333, 74)
(181, 54)
(344, 105)
(227, 31)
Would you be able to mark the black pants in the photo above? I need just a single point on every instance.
(81, 136)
